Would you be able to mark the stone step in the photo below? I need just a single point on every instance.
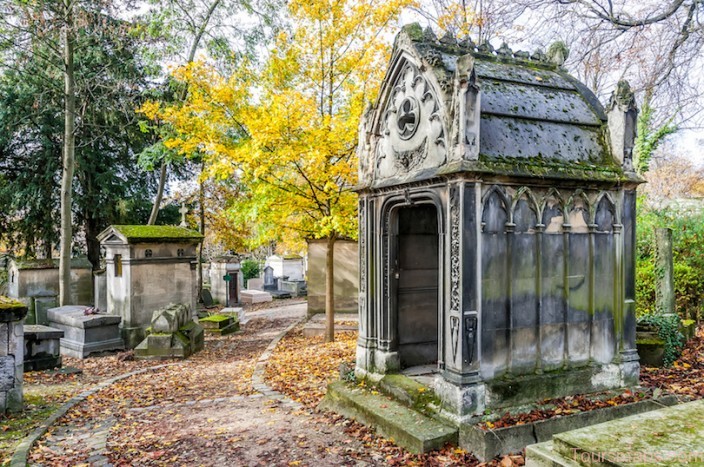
(669, 436)
(406, 427)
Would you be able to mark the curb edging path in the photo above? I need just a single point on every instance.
(19, 457)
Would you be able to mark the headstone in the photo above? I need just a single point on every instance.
(664, 272)
(269, 280)
(255, 296)
(85, 334)
(42, 347)
(173, 334)
(206, 298)
(255, 284)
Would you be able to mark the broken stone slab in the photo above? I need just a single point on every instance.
(85, 334)
(42, 347)
(172, 335)
(170, 319)
(255, 296)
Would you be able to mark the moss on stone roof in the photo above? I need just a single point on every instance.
(158, 233)
(11, 310)
(10, 304)
(76, 263)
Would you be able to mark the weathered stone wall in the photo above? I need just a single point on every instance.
(550, 279)
(346, 276)
(28, 283)
(11, 354)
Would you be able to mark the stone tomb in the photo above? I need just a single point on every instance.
(497, 227)
(36, 283)
(346, 272)
(255, 296)
(85, 334)
(225, 292)
(172, 334)
(42, 347)
(148, 268)
(12, 313)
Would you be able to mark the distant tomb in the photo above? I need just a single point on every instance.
(270, 281)
(289, 267)
(35, 282)
(225, 292)
(346, 276)
(255, 296)
(148, 268)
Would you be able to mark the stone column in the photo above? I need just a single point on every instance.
(664, 272)
(11, 354)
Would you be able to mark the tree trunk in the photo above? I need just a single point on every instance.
(330, 290)
(92, 243)
(159, 195)
(69, 159)
(201, 203)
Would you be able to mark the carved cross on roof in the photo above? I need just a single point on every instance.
(183, 210)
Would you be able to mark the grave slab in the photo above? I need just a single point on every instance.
(668, 436)
(255, 296)
(85, 334)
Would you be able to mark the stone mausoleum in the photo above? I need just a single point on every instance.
(497, 221)
(148, 267)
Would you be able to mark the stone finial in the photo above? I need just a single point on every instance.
(466, 105)
(505, 50)
(485, 48)
(448, 39)
(183, 210)
(558, 53)
(538, 56)
(622, 115)
(429, 35)
(467, 43)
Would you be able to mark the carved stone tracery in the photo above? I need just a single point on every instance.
(412, 132)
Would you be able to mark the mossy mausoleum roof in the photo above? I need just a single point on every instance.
(533, 118)
(152, 234)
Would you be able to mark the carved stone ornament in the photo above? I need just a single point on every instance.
(412, 131)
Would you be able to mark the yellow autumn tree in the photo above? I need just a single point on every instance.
(288, 130)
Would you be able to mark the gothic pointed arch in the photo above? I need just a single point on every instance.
(495, 210)
(410, 121)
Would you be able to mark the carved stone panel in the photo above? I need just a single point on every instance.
(412, 131)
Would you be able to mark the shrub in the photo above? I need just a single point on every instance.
(250, 269)
(687, 245)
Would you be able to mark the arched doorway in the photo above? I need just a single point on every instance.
(415, 271)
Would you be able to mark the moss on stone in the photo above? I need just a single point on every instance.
(158, 233)
(215, 318)
(11, 310)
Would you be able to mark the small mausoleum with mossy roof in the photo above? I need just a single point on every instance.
(497, 216)
(148, 267)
